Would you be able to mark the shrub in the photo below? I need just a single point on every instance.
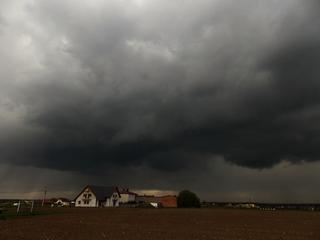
(188, 199)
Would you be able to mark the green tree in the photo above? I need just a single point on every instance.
(188, 199)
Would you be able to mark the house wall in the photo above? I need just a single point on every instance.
(113, 201)
(126, 197)
(86, 199)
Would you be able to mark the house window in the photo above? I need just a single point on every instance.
(89, 195)
(79, 202)
(85, 195)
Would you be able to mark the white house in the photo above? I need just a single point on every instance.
(127, 196)
(98, 196)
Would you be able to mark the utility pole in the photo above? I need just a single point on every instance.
(32, 205)
(44, 196)
(18, 207)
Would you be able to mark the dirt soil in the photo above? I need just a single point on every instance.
(164, 224)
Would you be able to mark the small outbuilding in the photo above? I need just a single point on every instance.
(62, 202)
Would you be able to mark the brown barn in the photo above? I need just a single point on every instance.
(168, 201)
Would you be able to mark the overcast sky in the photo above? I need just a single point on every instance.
(218, 96)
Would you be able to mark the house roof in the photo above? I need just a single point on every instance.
(101, 192)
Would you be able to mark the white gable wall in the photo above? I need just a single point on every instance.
(86, 199)
(113, 201)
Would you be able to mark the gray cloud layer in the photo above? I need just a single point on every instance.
(163, 84)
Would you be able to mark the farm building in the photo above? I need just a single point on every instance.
(63, 202)
(147, 199)
(163, 201)
(168, 201)
(127, 196)
(98, 196)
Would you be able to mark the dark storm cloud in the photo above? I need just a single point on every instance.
(165, 85)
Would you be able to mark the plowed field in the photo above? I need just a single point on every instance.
(95, 224)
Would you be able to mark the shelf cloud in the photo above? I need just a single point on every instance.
(168, 85)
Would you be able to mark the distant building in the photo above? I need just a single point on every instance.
(168, 201)
(63, 202)
(98, 196)
(147, 199)
(164, 201)
(127, 196)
